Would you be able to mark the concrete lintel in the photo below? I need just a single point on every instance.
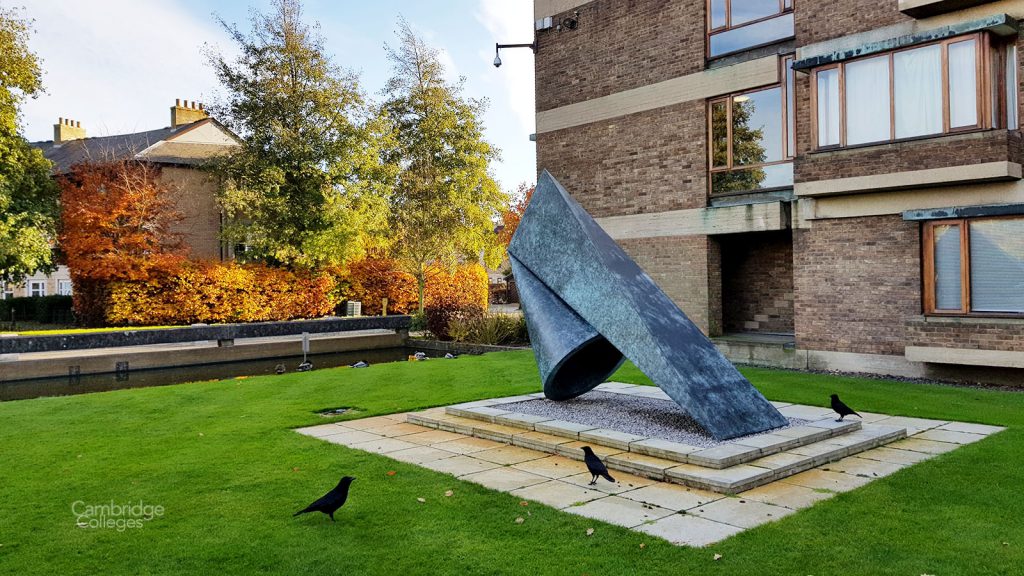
(925, 8)
(1001, 24)
(545, 8)
(696, 86)
(964, 212)
(986, 172)
(761, 217)
(964, 356)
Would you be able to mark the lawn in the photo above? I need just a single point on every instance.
(222, 460)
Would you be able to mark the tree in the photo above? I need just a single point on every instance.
(513, 213)
(746, 148)
(116, 225)
(28, 196)
(305, 186)
(444, 202)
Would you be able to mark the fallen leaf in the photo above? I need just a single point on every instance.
(392, 472)
(449, 493)
(718, 556)
(421, 500)
(642, 545)
(296, 469)
(524, 503)
(520, 520)
(590, 531)
(201, 434)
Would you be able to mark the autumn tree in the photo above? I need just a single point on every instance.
(116, 225)
(513, 213)
(306, 186)
(445, 202)
(746, 147)
(28, 196)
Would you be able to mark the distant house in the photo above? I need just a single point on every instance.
(192, 139)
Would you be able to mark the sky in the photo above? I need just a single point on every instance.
(117, 66)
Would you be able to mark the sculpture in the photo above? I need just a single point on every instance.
(588, 305)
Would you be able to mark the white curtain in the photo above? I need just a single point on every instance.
(828, 107)
(918, 91)
(867, 100)
(963, 87)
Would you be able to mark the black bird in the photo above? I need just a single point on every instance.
(596, 467)
(330, 502)
(842, 409)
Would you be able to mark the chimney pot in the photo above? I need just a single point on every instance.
(78, 124)
(177, 102)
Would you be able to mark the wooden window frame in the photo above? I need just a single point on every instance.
(728, 99)
(928, 268)
(785, 7)
(984, 87)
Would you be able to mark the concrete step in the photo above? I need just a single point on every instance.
(730, 479)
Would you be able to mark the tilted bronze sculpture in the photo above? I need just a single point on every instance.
(588, 305)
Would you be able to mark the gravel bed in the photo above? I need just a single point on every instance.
(648, 417)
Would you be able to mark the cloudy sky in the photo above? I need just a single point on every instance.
(117, 65)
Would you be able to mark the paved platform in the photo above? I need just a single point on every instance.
(647, 496)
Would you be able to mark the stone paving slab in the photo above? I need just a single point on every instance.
(864, 467)
(558, 494)
(786, 495)
(551, 467)
(687, 530)
(915, 444)
(323, 430)
(460, 465)
(383, 445)
(623, 482)
(367, 423)
(399, 429)
(972, 428)
(524, 421)
(432, 437)
(740, 512)
(612, 438)
(562, 428)
(468, 445)
(540, 441)
(671, 496)
(951, 436)
(660, 448)
(826, 480)
(351, 437)
(504, 479)
(641, 465)
(894, 455)
(507, 455)
(574, 450)
(619, 511)
(420, 455)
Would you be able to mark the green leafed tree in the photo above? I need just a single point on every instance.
(445, 202)
(306, 186)
(28, 196)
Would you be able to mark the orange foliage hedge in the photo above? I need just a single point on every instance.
(460, 295)
(214, 292)
(372, 279)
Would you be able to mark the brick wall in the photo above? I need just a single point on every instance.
(972, 333)
(642, 163)
(679, 265)
(856, 281)
(195, 196)
(757, 282)
(620, 44)
(939, 152)
(817, 20)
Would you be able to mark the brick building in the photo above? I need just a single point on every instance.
(818, 184)
(191, 139)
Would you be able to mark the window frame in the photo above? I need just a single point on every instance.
(983, 90)
(785, 7)
(60, 287)
(32, 288)
(928, 267)
(788, 152)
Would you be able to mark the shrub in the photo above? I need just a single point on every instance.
(456, 295)
(372, 279)
(41, 309)
(493, 329)
(210, 292)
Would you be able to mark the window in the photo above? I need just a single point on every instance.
(751, 138)
(974, 266)
(735, 25)
(926, 90)
(64, 287)
(37, 288)
(6, 291)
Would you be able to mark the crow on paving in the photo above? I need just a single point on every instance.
(330, 502)
(596, 467)
(842, 409)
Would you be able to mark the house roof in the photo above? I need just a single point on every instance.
(157, 146)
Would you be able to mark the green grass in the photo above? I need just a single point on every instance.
(222, 460)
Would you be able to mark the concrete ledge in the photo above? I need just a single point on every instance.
(935, 355)
(925, 8)
(760, 217)
(697, 86)
(987, 172)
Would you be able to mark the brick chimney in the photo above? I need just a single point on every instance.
(66, 130)
(185, 112)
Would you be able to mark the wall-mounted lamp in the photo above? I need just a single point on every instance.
(498, 47)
